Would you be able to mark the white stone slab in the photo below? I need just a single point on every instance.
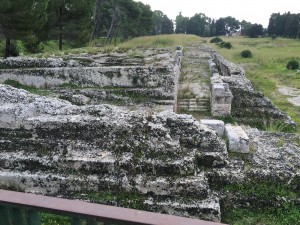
(238, 140)
(216, 125)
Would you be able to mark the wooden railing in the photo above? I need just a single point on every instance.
(24, 209)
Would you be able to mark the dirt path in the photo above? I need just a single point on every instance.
(292, 93)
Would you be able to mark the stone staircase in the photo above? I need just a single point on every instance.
(194, 105)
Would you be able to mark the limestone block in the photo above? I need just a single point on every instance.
(238, 140)
(221, 107)
(216, 125)
(218, 89)
(221, 113)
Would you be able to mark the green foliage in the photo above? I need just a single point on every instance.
(68, 85)
(52, 219)
(288, 213)
(14, 49)
(18, 85)
(181, 24)
(224, 44)
(246, 54)
(285, 25)
(227, 119)
(198, 24)
(254, 30)
(216, 40)
(161, 23)
(281, 212)
(292, 65)
(32, 44)
(262, 189)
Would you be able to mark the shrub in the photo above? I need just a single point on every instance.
(224, 44)
(292, 65)
(215, 40)
(14, 49)
(246, 54)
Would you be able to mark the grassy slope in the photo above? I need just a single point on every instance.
(266, 69)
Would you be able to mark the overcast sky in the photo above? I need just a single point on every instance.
(254, 11)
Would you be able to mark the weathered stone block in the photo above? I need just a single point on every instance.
(216, 125)
(221, 107)
(238, 140)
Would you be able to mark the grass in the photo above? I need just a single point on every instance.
(286, 214)
(267, 68)
(257, 212)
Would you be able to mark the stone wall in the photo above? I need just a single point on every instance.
(248, 105)
(221, 96)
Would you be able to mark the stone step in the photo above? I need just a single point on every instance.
(191, 186)
(207, 209)
(53, 183)
(100, 163)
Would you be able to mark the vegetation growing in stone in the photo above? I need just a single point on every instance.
(279, 212)
(246, 54)
(292, 65)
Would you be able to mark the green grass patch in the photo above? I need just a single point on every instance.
(52, 219)
(286, 214)
(28, 88)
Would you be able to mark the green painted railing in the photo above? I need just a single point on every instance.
(25, 209)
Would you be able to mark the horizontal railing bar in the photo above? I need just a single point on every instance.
(85, 209)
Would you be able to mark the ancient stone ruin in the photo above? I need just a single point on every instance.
(75, 143)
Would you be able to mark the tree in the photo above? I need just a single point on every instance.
(285, 25)
(167, 26)
(220, 27)
(227, 26)
(244, 26)
(145, 23)
(181, 24)
(254, 30)
(276, 25)
(71, 20)
(198, 24)
(20, 18)
(97, 19)
(161, 23)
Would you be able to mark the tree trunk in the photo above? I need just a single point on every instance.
(7, 48)
(97, 18)
(61, 34)
(113, 25)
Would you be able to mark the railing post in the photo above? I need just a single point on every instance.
(19, 216)
(34, 217)
(77, 221)
(91, 222)
(5, 215)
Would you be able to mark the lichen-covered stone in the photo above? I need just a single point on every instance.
(52, 147)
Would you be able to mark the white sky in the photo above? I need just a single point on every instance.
(254, 11)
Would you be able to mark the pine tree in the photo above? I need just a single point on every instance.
(19, 18)
(71, 20)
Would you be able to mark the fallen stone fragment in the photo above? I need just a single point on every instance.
(238, 140)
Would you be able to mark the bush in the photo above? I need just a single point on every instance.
(224, 44)
(246, 54)
(216, 40)
(32, 44)
(292, 65)
(14, 49)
